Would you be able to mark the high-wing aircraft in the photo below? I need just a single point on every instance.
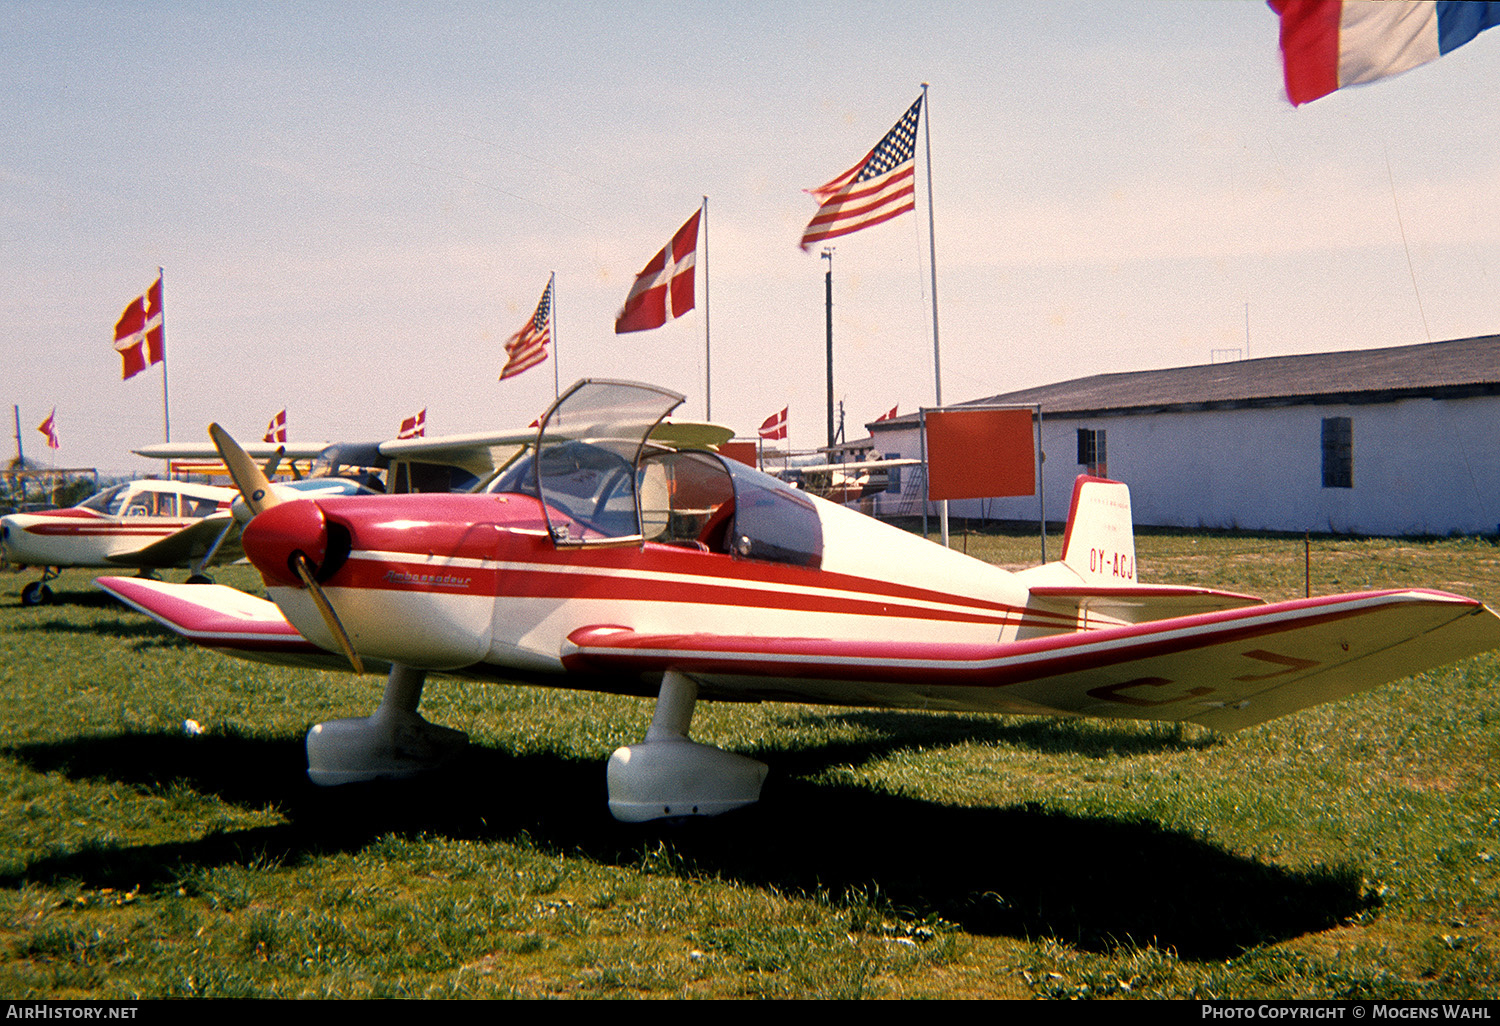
(844, 482)
(434, 463)
(147, 524)
(601, 559)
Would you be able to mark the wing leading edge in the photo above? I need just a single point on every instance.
(224, 619)
(1225, 670)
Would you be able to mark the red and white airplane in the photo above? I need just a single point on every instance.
(147, 525)
(600, 559)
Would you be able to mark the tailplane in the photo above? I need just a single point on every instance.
(1096, 577)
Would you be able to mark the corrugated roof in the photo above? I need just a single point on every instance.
(1469, 366)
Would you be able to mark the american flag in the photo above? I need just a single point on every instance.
(414, 427)
(881, 186)
(528, 347)
(276, 430)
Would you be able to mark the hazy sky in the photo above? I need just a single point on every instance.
(355, 204)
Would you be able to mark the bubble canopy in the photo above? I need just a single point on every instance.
(602, 480)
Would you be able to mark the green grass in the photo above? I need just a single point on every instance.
(1351, 850)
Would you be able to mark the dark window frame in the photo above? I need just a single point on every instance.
(1338, 452)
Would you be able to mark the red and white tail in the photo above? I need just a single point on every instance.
(1096, 576)
(1099, 544)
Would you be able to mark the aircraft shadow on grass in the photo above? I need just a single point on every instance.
(141, 636)
(1021, 871)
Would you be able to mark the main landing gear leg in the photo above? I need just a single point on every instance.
(667, 776)
(394, 744)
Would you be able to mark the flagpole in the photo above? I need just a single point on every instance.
(828, 305)
(552, 290)
(708, 360)
(937, 361)
(166, 410)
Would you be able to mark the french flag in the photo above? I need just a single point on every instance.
(1329, 44)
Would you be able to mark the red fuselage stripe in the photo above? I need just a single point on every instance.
(570, 583)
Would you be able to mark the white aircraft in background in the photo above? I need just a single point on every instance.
(844, 482)
(147, 525)
(603, 559)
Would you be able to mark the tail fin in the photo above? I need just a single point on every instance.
(1100, 541)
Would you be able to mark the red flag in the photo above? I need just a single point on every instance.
(528, 347)
(881, 186)
(414, 427)
(140, 333)
(276, 430)
(887, 416)
(774, 426)
(48, 427)
(664, 288)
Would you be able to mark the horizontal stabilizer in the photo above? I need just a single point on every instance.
(1144, 602)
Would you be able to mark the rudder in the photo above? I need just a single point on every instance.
(1100, 541)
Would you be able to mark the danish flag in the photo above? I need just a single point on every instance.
(140, 333)
(774, 426)
(664, 288)
(414, 427)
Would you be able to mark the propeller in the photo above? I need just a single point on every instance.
(256, 490)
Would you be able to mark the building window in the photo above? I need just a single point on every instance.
(893, 475)
(1338, 452)
(1091, 452)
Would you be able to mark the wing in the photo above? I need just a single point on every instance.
(205, 450)
(184, 546)
(226, 620)
(481, 452)
(1224, 670)
(829, 468)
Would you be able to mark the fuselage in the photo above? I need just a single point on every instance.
(449, 581)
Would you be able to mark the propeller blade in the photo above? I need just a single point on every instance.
(274, 462)
(253, 486)
(330, 618)
(256, 490)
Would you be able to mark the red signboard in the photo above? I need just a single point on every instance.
(980, 454)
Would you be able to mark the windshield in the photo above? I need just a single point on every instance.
(590, 440)
(107, 501)
(590, 490)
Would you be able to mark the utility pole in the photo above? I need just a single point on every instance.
(828, 288)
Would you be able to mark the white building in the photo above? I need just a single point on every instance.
(1401, 441)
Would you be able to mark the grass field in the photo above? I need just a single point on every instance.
(1351, 850)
